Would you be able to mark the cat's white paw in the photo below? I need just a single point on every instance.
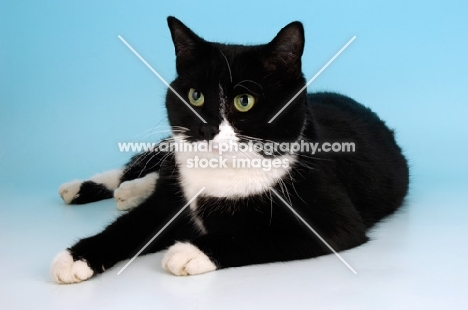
(184, 259)
(64, 270)
(126, 196)
(69, 191)
(132, 193)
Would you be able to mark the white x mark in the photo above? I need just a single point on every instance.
(163, 80)
(312, 79)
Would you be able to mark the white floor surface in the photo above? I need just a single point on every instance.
(415, 260)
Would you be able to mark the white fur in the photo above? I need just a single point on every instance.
(226, 132)
(230, 181)
(110, 179)
(64, 270)
(222, 101)
(184, 259)
(132, 193)
(227, 181)
(68, 191)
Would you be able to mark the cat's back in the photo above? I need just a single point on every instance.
(339, 117)
(328, 107)
(376, 173)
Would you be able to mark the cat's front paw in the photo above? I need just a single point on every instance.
(184, 259)
(66, 270)
(70, 191)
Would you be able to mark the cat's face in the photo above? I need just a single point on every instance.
(237, 89)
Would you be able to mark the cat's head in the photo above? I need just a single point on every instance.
(236, 89)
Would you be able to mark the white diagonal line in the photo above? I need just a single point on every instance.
(312, 79)
(163, 80)
(313, 230)
(161, 230)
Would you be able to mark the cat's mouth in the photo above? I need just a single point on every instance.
(217, 148)
(224, 148)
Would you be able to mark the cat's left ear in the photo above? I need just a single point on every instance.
(286, 48)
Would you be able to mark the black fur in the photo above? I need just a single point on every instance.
(340, 195)
(91, 192)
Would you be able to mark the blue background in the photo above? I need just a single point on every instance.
(70, 90)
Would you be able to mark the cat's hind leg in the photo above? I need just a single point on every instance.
(139, 179)
(130, 186)
(127, 194)
(133, 192)
(98, 187)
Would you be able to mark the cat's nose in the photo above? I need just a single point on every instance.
(209, 131)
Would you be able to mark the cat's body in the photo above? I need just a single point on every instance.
(237, 218)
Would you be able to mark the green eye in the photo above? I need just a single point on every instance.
(196, 97)
(244, 102)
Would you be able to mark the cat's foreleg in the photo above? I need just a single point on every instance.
(126, 236)
(218, 251)
(285, 238)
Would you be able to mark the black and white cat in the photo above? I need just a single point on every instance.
(237, 219)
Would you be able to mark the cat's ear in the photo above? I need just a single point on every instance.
(286, 49)
(185, 40)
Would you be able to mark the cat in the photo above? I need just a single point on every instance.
(240, 215)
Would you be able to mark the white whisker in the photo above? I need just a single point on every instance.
(228, 66)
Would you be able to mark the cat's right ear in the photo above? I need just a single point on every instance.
(185, 41)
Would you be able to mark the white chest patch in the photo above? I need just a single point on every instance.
(229, 182)
(230, 174)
